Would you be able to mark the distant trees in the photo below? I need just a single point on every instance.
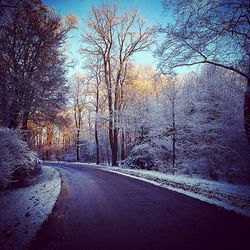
(211, 32)
(115, 38)
(145, 121)
(52, 138)
(78, 95)
(32, 71)
(95, 70)
(121, 112)
(171, 90)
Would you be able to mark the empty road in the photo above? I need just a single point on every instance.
(102, 210)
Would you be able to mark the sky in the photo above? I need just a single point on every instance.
(150, 10)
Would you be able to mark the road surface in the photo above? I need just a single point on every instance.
(102, 210)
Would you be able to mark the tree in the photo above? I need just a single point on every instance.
(207, 101)
(94, 67)
(116, 38)
(209, 32)
(31, 61)
(171, 92)
(145, 120)
(79, 94)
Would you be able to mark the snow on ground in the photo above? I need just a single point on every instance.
(222, 194)
(22, 211)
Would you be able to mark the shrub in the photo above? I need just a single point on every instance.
(17, 162)
(147, 156)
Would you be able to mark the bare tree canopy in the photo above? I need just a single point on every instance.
(215, 32)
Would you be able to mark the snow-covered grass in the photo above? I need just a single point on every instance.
(222, 194)
(22, 211)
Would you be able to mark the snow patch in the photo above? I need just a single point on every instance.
(23, 211)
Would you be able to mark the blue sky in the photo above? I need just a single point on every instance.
(150, 10)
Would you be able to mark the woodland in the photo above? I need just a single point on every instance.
(117, 111)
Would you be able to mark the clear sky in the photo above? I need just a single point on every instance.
(150, 10)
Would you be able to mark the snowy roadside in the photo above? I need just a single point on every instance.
(222, 194)
(22, 211)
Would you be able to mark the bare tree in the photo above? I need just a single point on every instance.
(215, 32)
(171, 89)
(94, 66)
(116, 38)
(79, 97)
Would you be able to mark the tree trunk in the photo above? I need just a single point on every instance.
(174, 150)
(77, 145)
(77, 115)
(24, 129)
(174, 138)
(123, 146)
(108, 81)
(49, 140)
(115, 129)
(78, 137)
(111, 129)
(96, 126)
(14, 114)
(123, 138)
(4, 117)
(115, 148)
(247, 111)
(97, 145)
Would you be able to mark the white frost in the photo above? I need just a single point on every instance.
(23, 211)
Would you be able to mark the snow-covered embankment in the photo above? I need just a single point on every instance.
(23, 210)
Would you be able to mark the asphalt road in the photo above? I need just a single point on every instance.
(102, 210)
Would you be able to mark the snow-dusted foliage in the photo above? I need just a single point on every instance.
(191, 125)
(208, 126)
(147, 156)
(211, 137)
(15, 156)
(145, 124)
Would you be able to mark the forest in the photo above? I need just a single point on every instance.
(111, 109)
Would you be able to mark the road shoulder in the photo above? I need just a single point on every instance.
(24, 210)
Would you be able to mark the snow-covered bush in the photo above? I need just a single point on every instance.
(69, 155)
(147, 156)
(15, 157)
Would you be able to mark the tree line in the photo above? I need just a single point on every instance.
(117, 111)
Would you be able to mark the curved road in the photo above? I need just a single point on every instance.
(102, 210)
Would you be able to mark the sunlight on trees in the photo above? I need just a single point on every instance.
(32, 63)
(116, 38)
(116, 111)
